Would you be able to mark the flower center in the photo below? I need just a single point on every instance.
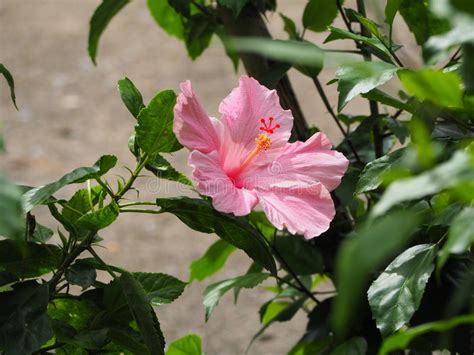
(262, 143)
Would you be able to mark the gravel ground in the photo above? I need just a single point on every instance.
(70, 114)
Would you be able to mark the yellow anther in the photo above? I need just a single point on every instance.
(263, 142)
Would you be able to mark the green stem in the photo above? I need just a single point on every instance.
(137, 203)
(130, 210)
(141, 163)
(373, 106)
(105, 187)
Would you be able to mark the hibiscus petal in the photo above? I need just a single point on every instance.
(192, 126)
(212, 181)
(242, 112)
(300, 162)
(302, 209)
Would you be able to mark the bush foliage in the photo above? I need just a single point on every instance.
(398, 255)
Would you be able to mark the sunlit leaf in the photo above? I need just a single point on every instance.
(212, 261)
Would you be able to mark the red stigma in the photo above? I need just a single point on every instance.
(268, 127)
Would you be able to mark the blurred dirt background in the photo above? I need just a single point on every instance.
(71, 113)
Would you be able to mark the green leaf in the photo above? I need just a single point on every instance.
(143, 313)
(160, 288)
(154, 131)
(289, 27)
(214, 292)
(131, 97)
(167, 17)
(12, 220)
(384, 98)
(80, 203)
(359, 78)
(164, 170)
(319, 14)
(420, 20)
(445, 175)
(391, 9)
(26, 259)
(460, 237)
(198, 33)
(99, 219)
(402, 339)
(270, 311)
(182, 7)
(188, 345)
(76, 312)
(201, 216)
(396, 294)
(354, 346)
(294, 52)
(373, 174)
(41, 234)
(24, 323)
(235, 5)
(81, 274)
(441, 88)
(212, 261)
(373, 44)
(11, 83)
(41, 194)
(99, 21)
(382, 237)
(370, 25)
(302, 257)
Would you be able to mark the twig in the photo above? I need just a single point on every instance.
(327, 104)
(343, 15)
(137, 203)
(203, 9)
(137, 210)
(453, 58)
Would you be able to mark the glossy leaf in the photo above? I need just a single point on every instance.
(154, 131)
(99, 219)
(11, 83)
(420, 20)
(289, 27)
(81, 274)
(99, 21)
(441, 88)
(402, 339)
(302, 257)
(81, 203)
(373, 174)
(396, 294)
(41, 194)
(445, 175)
(199, 215)
(319, 14)
(214, 292)
(460, 237)
(167, 17)
(12, 220)
(198, 33)
(143, 313)
(24, 323)
(384, 98)
(26, 259)
(164, 170)
(373, 44)
(354, 263)
(187, 345)
(359, 78)
(131, 97)
(212, 261)
(160, 288)
(294, 52)
(391, 9)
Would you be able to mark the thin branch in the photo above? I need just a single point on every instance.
(343, 15)
(453, 58)
(105, 187)
(327, 104)
(137, 203)
(201, 7)
(130, 210)
(104, 264)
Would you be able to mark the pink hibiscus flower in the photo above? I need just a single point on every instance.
(245, 159)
